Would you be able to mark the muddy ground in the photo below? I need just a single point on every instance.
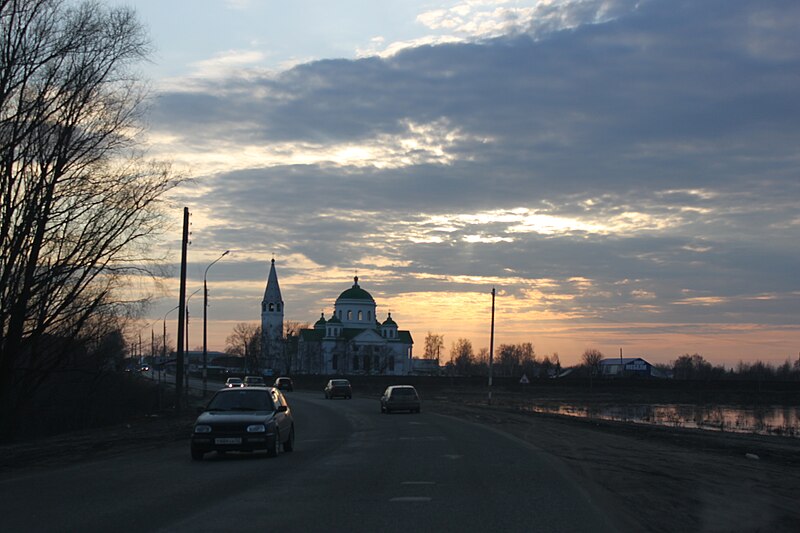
(651, 478)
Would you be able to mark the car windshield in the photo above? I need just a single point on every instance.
(241, 400)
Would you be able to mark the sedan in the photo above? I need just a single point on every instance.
(244, 420)
(338, 387)
(284, 383)
(400, 398)
(254, 381)
(234, 382)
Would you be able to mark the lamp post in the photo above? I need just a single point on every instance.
(188, 359)
(205, 321)
(164, 344)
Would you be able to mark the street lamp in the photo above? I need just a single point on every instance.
(205, 321)
(164, 345)
(188, 358)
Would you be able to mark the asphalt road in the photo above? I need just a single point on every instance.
(353, 469)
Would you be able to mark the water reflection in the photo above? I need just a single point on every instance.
(765, 420)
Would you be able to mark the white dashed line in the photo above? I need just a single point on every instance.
(410, 499)
(418, 483)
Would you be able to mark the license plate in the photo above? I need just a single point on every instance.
(228, 440)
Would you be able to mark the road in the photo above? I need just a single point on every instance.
(353, 470)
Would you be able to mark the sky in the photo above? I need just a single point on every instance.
(624, 173)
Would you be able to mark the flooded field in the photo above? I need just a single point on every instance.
(764, 420)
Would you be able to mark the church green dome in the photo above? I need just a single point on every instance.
(356, 293)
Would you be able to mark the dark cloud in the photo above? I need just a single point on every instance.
(683, 112)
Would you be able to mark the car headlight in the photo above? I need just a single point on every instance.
(257, 428)
(202, 428)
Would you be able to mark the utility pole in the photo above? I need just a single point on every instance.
(181, 312)
(491, 351)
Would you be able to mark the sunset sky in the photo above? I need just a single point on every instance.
(625, 173)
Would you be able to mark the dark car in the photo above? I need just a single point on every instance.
(400, 398)
(254, 381)
(338, 387)
(284, 383)
(244, 419)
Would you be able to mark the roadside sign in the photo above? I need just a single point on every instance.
(524, 379)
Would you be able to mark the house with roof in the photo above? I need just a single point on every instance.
(628, 367)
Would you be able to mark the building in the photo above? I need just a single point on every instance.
(628, 367)
(353, 341)
(273, 344)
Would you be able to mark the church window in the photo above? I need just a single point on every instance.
(360, 316)
(335, 362)
(369, 315)
(278, 307)
(271, 307)
(377, 362)
(391, 363)
(349, 314)
(366, 363)
(340, 314)
(355, 363)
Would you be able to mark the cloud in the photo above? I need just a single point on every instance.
(601, 161)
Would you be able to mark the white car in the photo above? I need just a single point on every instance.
(234, 382)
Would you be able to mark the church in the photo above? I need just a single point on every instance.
(351, 341)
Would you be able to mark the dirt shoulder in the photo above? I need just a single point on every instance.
(651, 478)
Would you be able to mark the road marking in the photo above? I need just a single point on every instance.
(423, 438)
(418, 483)
(410, 499)
(452, 456)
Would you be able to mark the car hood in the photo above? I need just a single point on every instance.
(243, 417)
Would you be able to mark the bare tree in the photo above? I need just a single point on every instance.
(293, 327)
(434, 344)
(245, 341)
(591, 359)
(462, 356)
(291, 344)
(79, 204)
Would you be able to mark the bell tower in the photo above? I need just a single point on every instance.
(271, 320)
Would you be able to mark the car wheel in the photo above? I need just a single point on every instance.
(197, 455)
(274, 449)
(288, 446)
